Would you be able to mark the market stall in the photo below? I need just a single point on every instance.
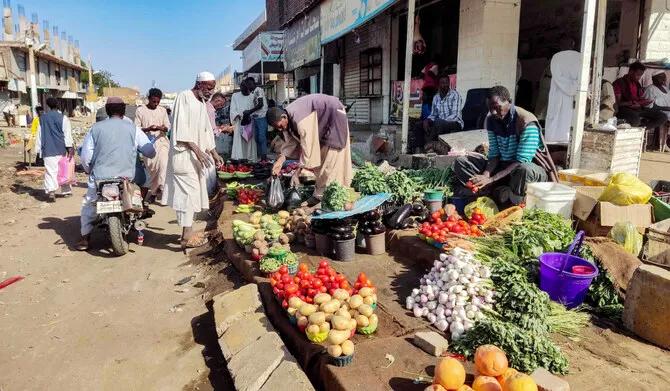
(476, 275)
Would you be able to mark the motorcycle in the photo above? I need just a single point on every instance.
(120, 209)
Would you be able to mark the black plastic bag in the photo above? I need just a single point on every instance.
(292, 198)
(275, 198)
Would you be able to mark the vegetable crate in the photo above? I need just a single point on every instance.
(657, 248)
(612, 151)
(580, 177)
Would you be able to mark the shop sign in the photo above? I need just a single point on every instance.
(266, 47)
(338, 17)
(415, 95)
(303, 41)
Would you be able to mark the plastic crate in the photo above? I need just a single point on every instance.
(661, 190)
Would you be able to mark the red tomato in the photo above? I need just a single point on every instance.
(323, 289)
(345, 284)
(358, 285)
(275, 290)
(304, 284)
(296, 279)
(283, 269)
(280, 286)
(308, 300)
(324, 264)
(316, 283)
(311, 292)
(286, 279)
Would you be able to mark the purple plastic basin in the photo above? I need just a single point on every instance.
(563, 286)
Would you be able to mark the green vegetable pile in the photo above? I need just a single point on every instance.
(369, 180)
(538, 232)
(523, 315)
(602, 295)
(526, 351)
(277, 256)
(404, 188)
(432, 178)
(335, 197)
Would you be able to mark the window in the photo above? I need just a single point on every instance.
(371, 72)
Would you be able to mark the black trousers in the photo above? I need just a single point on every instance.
(653, 117)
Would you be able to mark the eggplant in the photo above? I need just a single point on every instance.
(318, 212)
(336, 236)
(347, 236)
(418, 209)
(407, 223)
(367, 231)
(341, 230)
(378, 230)
(401, 214)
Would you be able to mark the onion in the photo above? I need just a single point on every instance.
(415, 291)
(409, 303)
(443, 257)
(418, 311)
(442, 297)
(424, 311)
(424, 299)
(441, 325)
(447, 312)
(431, 305)
(432, 318)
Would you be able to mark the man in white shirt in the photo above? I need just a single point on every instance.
(53, 142)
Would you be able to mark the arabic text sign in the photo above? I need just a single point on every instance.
(266, 47)
(303, 41)
(338, 17)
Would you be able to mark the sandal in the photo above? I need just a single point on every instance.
(82, 245)
(197, 240)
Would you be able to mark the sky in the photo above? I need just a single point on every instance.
(140, 41)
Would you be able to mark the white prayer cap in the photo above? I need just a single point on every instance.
(205, 76)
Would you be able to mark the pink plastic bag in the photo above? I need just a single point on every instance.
(247, 132)
(66, 171)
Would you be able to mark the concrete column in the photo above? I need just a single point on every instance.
(655, 43)
(488, 38)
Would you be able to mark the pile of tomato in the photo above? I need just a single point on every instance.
(249, 196)
(231, 168)
(440, 227)
(306, 285)
(477, 217)
(363, 281)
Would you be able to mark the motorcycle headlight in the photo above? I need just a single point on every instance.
(110, 192)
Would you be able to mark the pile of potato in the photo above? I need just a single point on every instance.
(298, 224)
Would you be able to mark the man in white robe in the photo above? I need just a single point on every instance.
(241, 108)
(564, 85)
(192, 156)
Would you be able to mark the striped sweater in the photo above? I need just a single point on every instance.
(512, 148)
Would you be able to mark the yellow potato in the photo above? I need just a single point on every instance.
(340, 322)
(291, 311)
(336, 337)
(352, 324)
(328, 317)
(362, 321)
(347, 348)
(353, 313)
(368, 300)
(303, 321)
(335, 350)
(355, 301)
(295, 302)
(307, 309)
(364, 309)
(330, 306)
(313, 329)
(324, 327)
(321, 298)
(343, 312)
(341, 295)
(317, 318)
(366, 292)
(374, 320)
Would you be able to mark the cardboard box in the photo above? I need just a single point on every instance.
(597, 218)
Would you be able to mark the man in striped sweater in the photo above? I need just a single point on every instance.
(514, 138)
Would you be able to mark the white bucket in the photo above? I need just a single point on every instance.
(552, 197)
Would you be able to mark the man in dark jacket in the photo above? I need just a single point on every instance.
(53, 142)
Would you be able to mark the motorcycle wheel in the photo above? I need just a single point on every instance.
(116, 236)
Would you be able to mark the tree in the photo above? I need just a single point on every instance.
(101, 79)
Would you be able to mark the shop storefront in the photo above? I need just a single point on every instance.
(264, 57)
(357, 38)
(302, 42)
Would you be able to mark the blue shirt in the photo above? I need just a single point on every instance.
(447, 108)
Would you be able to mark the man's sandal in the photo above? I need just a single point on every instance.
(197, 240)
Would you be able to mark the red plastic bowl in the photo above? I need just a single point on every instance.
(581, 269)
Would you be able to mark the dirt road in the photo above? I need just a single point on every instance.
(90, 321)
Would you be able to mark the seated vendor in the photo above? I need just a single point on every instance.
(445, 116)
(514, 138)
